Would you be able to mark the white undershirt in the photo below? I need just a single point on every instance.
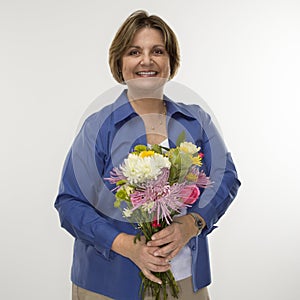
(181, 264)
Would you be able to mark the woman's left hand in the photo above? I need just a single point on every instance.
(174, 237)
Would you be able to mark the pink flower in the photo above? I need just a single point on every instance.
(190, 193)
(203, 181)
(138, 199)
(115, 176)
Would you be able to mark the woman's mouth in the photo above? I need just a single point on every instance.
(147, 73)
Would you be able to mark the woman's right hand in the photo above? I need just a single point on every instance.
(141, 254)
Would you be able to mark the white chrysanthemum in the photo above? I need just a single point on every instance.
(137, 169)
(189, 147)
(127, 213)
(160, 161)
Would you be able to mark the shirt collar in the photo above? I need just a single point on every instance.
(122, 108)
(178, 108)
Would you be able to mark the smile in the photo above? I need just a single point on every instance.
(147, 74)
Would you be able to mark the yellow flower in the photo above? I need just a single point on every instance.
(197, 160)
(146, 153)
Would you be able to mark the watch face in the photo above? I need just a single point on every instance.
(199, 223)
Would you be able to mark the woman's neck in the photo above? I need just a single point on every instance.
(153, 112)
(148, 106)
(146, 97)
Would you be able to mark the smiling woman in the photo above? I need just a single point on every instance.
(108, 260)
(124, 43)
(146, 57)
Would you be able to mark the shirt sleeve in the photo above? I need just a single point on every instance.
(215, 200)
(80, 179)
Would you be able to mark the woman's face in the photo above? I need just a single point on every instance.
(146, 58)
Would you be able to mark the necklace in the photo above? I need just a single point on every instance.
(152, 120)
(161, 116)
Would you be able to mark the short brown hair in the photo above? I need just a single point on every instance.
(138, 20)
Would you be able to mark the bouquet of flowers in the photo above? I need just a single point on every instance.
(153, 184)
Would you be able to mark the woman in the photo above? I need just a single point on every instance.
(144, 55)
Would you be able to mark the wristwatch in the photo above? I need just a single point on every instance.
(198, 222)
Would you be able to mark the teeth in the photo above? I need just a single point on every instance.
(146, 73)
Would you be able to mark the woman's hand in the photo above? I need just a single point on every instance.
(173, 238)
(141, 254)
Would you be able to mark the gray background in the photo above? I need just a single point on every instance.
(241, 56)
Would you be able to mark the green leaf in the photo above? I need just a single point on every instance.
(180, 139)
(140, 148)
(121, 195)
(121, 182)
(173, 176)
(137, 237)
(117, 203)
(156, 148)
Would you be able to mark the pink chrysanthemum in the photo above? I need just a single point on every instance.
(116, 175)
(164, 199)
(171, 202)
(203, 181)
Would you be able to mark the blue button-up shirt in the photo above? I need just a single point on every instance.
(85, 200)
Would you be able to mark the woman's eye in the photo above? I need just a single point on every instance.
(158, 51)
(134, 52)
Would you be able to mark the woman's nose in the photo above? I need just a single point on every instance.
(146, 60)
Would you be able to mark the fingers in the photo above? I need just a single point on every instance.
(143, 256)
(157, 264)
(178, 232)
(167, 251)
(161, 242)
(151, 276)
(169, 240)
(162, 237)
(163, 234)
(158, 268)
(172, 254)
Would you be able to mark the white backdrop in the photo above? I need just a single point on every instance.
(241, 56)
